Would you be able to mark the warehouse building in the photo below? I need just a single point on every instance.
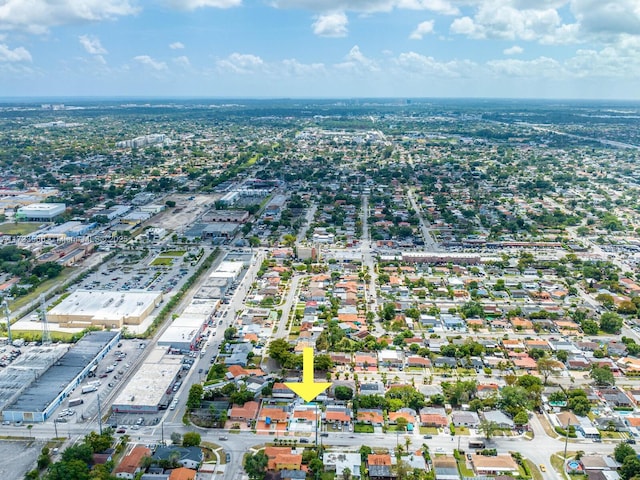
(185, 331)
(40, 398)
(151, 388)
(101, 308)
(40, 212)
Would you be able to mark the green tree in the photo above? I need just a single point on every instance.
(191, 439)
(521, 418)
(630, 468)
(256, 465)
(622, 451)
(488, 428)
(546, 366)
(176, 438)
(75, 469)
(590, 327)
(610, 322)
(602, 376)
(195, 396)
(229, 333)
(80, 452)
(402, 423)
(322, 363)
(342, 392)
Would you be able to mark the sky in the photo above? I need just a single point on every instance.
(321, 48)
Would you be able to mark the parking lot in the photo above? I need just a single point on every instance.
(109, 375)
(150, 269)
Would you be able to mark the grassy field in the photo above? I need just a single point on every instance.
(462, 431)
(43, 287)
(23, 228)
(173, 253)
(162, 261)
(36, 335)
(535, 472)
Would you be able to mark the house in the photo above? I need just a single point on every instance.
(245, 413)
(391, 358)
(465, 419)
(182, 473)
(292, 474)
(445, 362)
(446, 468)
(616, 397)
(379, 466)
(190, 457)
(376, 388)
(499, 418)
(417, 361)
(366, 361)
(496, 465)
(433, 417)
(407, 413)
(131, 464)
(566, 419)
(371, 417)
(487, 390)
(339, 461)
(287, 461)
(280, 390)
(338, 415)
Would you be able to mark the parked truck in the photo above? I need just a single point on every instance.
(74, 402)
(89, 389)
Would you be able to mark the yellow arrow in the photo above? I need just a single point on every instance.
(308, 389)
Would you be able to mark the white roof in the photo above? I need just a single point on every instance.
(103, 304)
(151, 381)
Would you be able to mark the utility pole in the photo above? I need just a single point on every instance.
(55, 426)
(162, 433)
(5, 305)
(99, 415)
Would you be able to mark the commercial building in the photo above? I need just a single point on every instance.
(150, 389)
(40, 212)
(68, 230)
(43, 395)
(101, 308)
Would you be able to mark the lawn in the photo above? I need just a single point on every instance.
(535, 472)
(162, 261)
(173, 253)
(23, 228)
(429, 430)
(462, 431)
(462, 468)
(42, 288)
(362, 428)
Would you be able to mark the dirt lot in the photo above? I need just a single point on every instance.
(18, 457)
(185, 212)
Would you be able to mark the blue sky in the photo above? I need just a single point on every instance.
(321, 48)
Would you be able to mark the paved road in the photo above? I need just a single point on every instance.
(538, 450)
(429, 243)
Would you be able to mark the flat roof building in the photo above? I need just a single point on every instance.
(40, 212)
(38, 400)
(101, 308)
(147, 391)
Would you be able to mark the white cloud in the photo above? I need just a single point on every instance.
(494, 19)
(539, 67)
(182, 61)
(18, 54)
(444, 7)
(331, 25)
(147, 61)
(194, 4)
(607, 16)
(515, 50)
(424, 28)
(176, 46)
(416, 64)
(36, 16)
(92, 45)
(293, 67)
(242, 63)
(356, 61)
